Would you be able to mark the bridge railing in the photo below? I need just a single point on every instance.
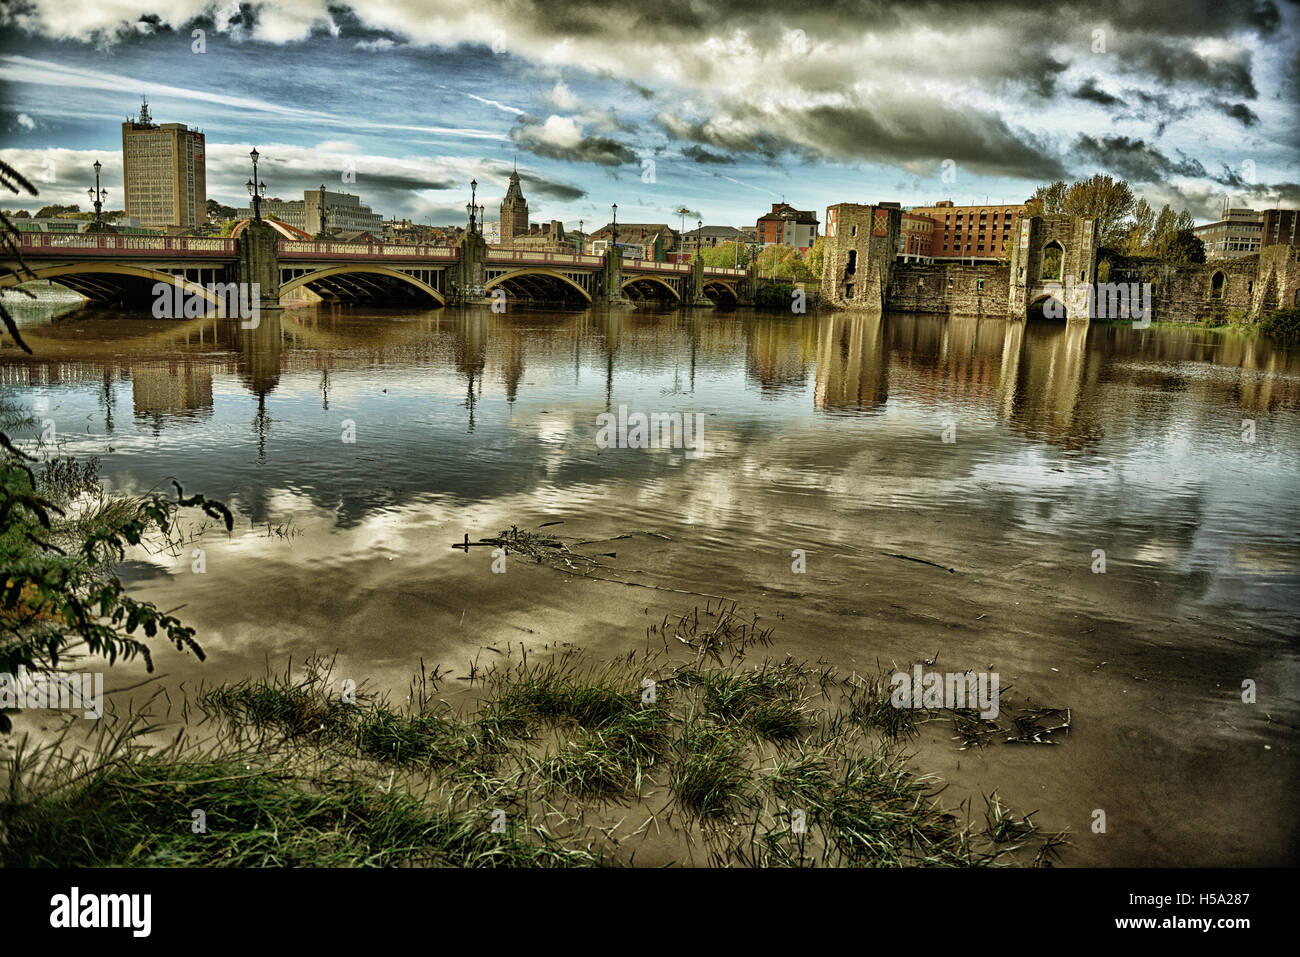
(650, 265)
(530, 256)
(309, 249)
(109, 244)
(724, 271)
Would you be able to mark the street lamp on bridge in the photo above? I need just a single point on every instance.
(578, 240)
(472, 206)
(324, 231)
(97, 196)
(615, 240)
(256, 188)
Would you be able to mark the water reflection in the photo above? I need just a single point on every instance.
(468, 406)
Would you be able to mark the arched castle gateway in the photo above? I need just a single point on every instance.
(1054, 258)
(1051, 272)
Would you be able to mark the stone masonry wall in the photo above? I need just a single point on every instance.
(1185, 293)
(951, 289)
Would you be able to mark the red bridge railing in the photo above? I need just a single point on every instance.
(530, 257)
(109, 244)
(384, 252)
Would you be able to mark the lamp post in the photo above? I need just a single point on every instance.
(98, 196)
(324, 232)
(472, 206)
(578, 241)
(699, 237)
(615, 224)
(256, 188)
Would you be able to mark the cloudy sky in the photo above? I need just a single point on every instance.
(718, 106)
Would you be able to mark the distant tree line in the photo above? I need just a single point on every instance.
(1124, 223)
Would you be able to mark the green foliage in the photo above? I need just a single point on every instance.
(727, 255)
(782, 262)
(1123, 222)
(58, 586)
(1051, 263)
(774, 295)
(46, 212)
(15, 182)
(1105, 200)
(1282, 323)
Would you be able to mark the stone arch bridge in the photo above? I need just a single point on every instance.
(115, 268)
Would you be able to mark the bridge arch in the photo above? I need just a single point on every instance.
(528, 272)
(329, 272)
(655, 280)
(101, 281)
(721, 290)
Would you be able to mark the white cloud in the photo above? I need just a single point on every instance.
(563, 97)
(561, 131)
(26, 122)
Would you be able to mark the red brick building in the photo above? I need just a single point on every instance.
(971, 232)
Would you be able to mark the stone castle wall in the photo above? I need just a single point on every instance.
(859, 254)
(1253, 284)
(951, 289)
(860, 272)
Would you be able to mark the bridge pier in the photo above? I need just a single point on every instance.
(471, 269)
(698, 298)
(259, 262)
(611, 276)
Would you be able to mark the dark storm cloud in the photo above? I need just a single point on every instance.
(378, 181)
(529, 134)
(550, 189)
(1238, 111)
(1176, 64)
(917, 132)
(1133, 159)
(538, 184)
(750, 141)
(1088, 90)
(699, 154)
(900, 132)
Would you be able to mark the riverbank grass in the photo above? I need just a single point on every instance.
(559, 761)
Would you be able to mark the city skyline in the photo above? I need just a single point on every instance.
(692, 108)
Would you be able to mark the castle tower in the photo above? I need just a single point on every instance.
(514, 211)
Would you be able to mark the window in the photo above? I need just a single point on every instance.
(979, 285)
(853, 230)
(1052, 256)
(950, 284)
(1216, 286)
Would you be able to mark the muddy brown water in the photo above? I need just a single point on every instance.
(821, 433)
